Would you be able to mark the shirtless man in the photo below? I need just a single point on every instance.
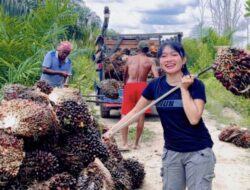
(136, 72)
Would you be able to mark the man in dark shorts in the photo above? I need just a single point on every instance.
(136, 72)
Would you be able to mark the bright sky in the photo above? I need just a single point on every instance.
(146, 16)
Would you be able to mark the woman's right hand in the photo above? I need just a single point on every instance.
(186, 81)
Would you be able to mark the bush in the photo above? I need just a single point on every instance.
(219, 98)
(84, 74)
(199, 56)
(26, 38)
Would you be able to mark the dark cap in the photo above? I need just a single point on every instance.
(143, 44)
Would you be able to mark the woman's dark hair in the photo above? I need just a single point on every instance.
(178, 48)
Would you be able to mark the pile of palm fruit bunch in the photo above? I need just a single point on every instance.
(110, 88)
(232, 69)
(11, 154)
(56, 144)
(136, 171)
(113, 65)
(234, 134)
(152, 49)
(14, 91)
(95, 176)
(126, 173)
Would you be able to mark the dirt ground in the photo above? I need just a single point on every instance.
(233, 163)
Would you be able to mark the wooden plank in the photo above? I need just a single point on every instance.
(125, 46)
(129, 43)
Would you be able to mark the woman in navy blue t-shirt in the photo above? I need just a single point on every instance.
(188, 159)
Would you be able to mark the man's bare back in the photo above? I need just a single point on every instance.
(136, 72)
(138, 67)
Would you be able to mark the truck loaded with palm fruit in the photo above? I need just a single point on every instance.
(110, 56)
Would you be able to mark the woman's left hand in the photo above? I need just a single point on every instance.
(106, 137)
(186, 81)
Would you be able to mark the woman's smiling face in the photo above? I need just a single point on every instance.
(170, 60)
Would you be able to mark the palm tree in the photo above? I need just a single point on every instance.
(19, 7)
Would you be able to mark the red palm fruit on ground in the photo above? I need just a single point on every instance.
(227, 132)
(243, 140)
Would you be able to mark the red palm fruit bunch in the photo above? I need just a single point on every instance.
(11, 157)
(114, 164)
(113, 65)
(44, 86)
(79, 150)
(62, 181)
(26, 118)
(15, 91)
(234, 134)
(117, 59)
(12, 91)
(232, 69)
(120, 175)
(242, 140)
(96, 176)
(36, 96)
(228, 133)
(71, 109)
(126, 173)
(108, 67)
(59, 95)
(136, 171)
(73, 116)
(114, 152)
(38, 165)
(110, 88)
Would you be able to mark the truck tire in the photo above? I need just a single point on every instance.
(105, 113)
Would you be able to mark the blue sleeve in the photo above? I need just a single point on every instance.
(70, 67)
(198, 91)
(148, 92)
(47, 62)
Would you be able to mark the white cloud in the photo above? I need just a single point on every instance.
(138, 16)
(126, 16)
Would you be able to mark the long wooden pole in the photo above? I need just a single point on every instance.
(134, 117)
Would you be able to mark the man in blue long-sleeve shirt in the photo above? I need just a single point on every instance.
(57, 67)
